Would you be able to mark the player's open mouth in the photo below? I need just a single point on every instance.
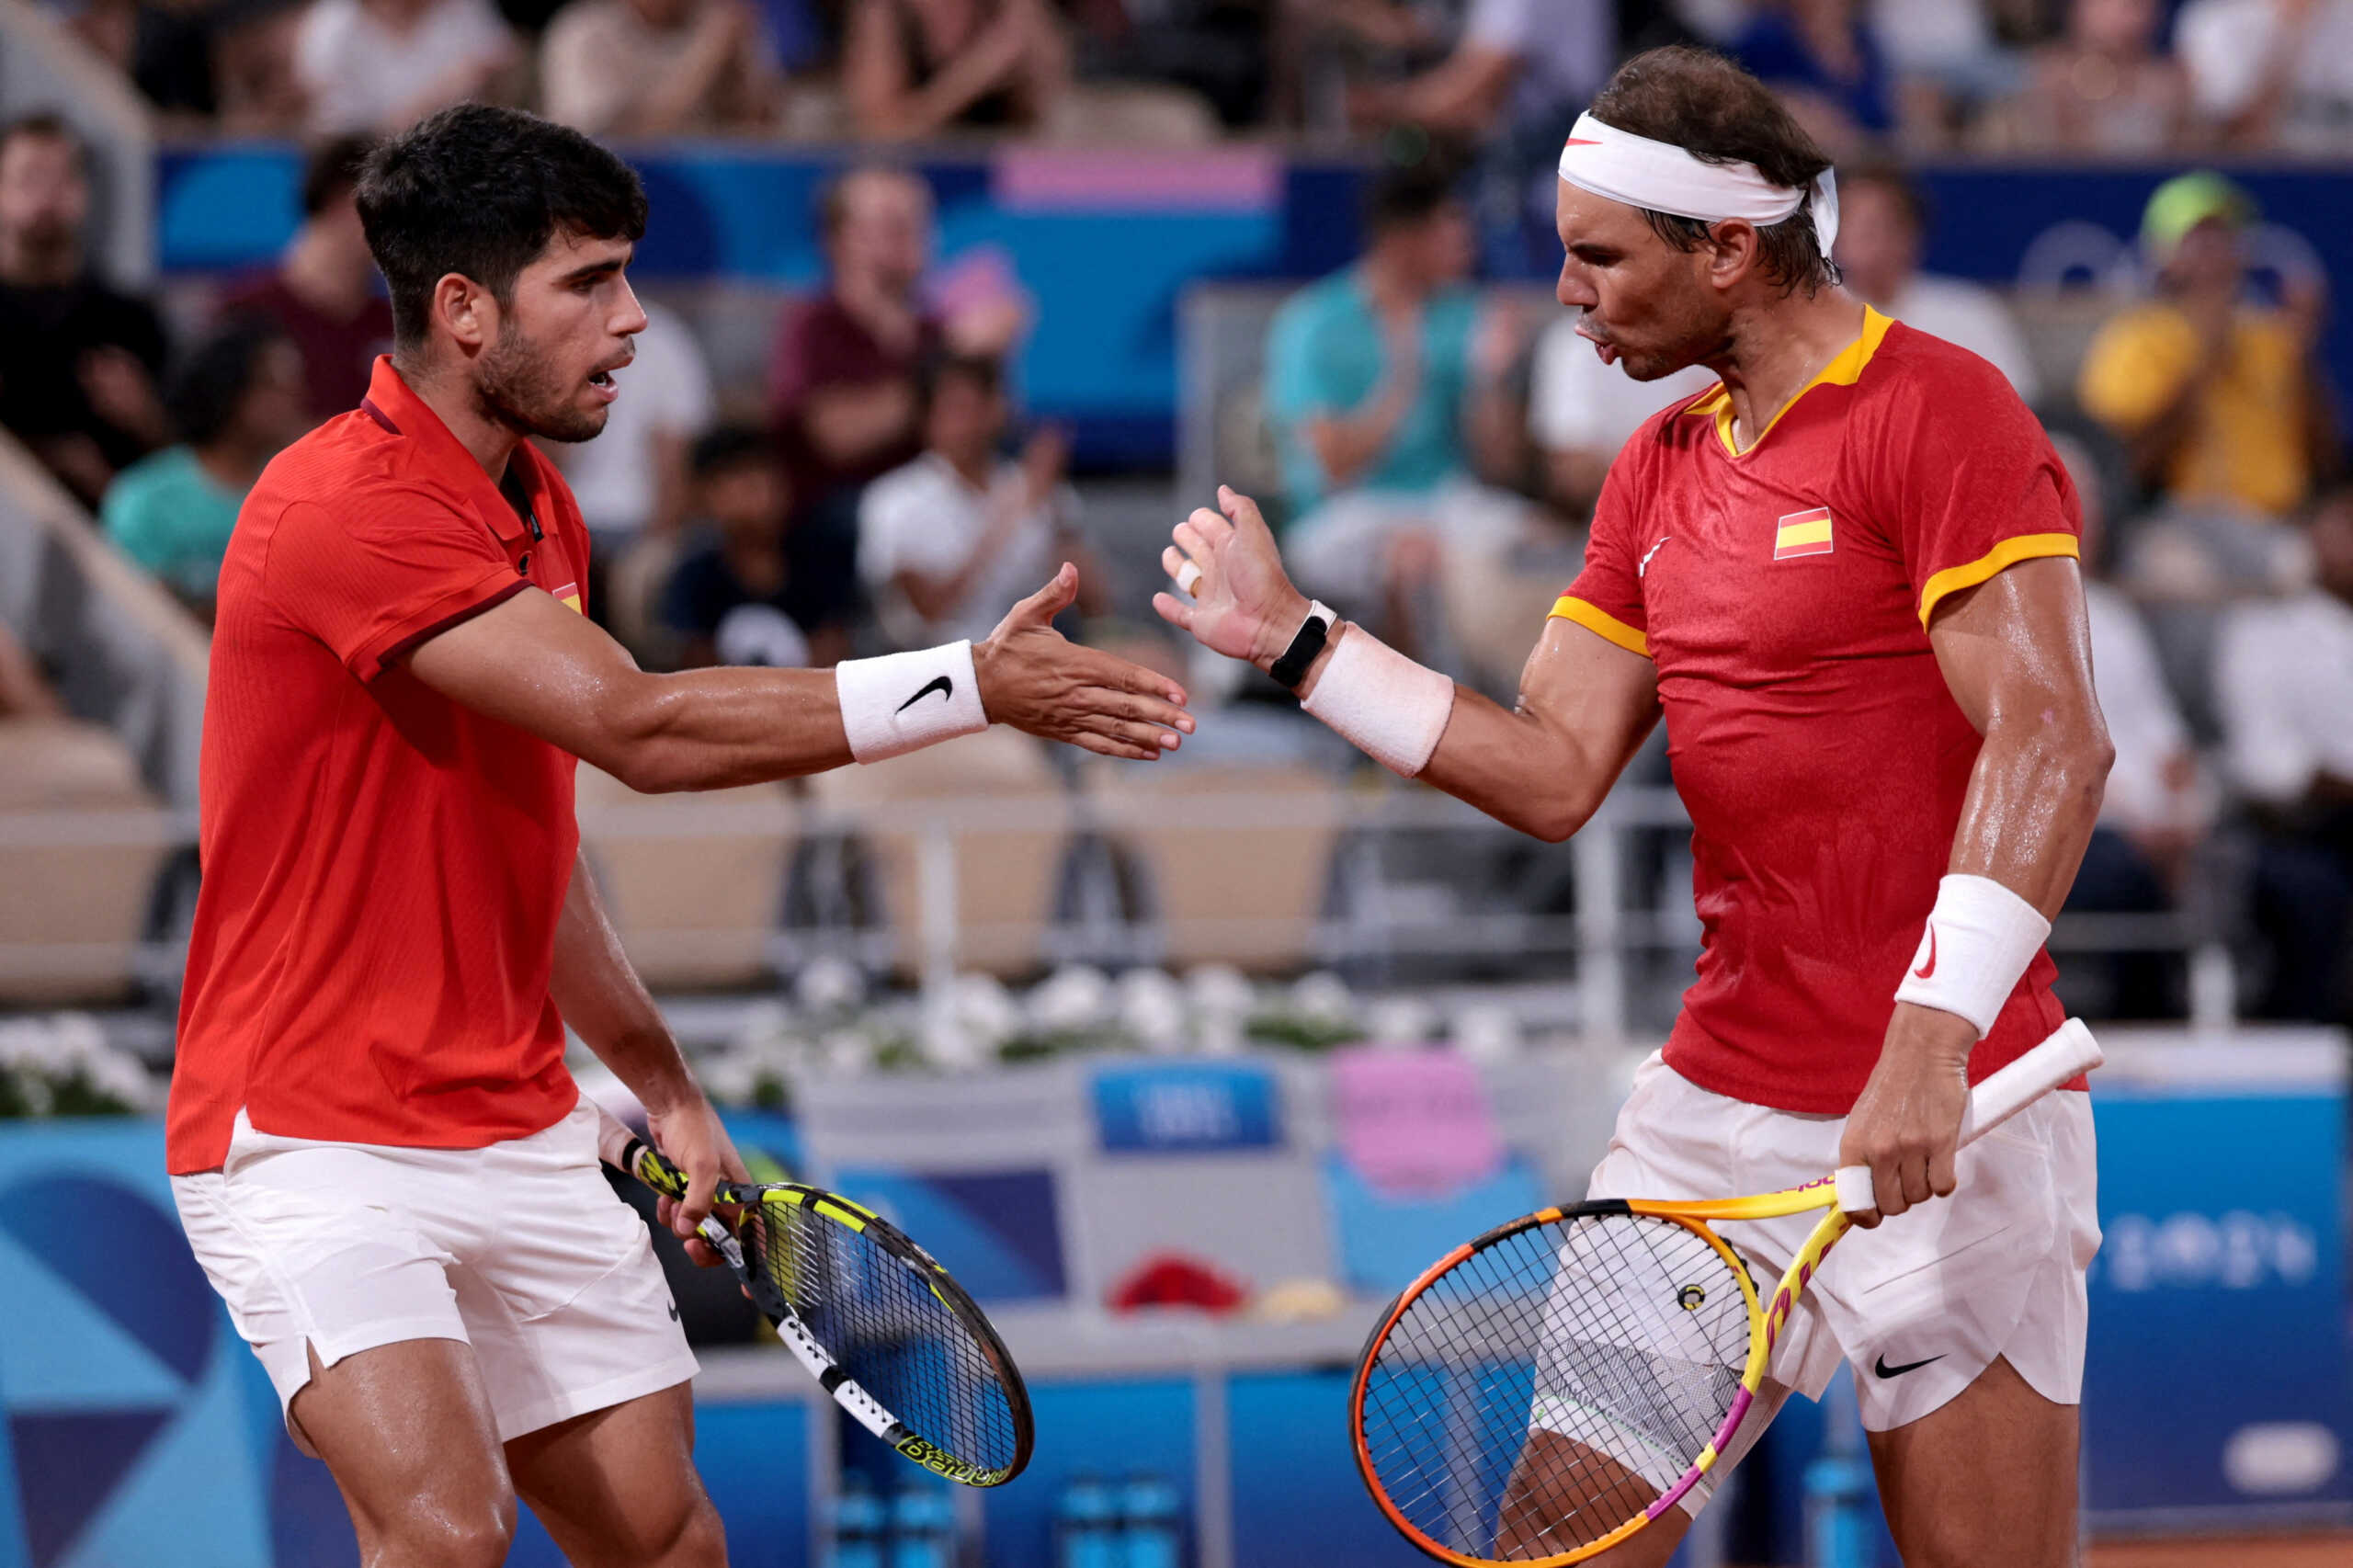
(1609, 352)
(601, 382)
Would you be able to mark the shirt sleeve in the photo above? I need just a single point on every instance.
(382, 573)
(1607, 597)
(1965, 482)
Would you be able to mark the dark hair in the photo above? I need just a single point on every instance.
(45, 125)
(979, 369)
(726, 447)
(331, 171)
(480, 191)
(1402, 195)
(1917, 208)
(201, 396)
(1701, 102)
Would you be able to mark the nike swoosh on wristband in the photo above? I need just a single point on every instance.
(1927, 971)
(1881, 1369)
(939, 684)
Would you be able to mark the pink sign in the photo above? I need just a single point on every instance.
(1414, 1122)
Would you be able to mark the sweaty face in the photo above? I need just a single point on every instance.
(1647, 305)
(550, 371)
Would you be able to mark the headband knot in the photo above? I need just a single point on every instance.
(1663, 177)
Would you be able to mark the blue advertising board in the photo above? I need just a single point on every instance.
(1186, 1108)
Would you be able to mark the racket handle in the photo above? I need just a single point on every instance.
(2068, 1052)
(633, 1157)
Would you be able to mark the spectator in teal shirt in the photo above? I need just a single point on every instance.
(238, 399)
(1380, 390)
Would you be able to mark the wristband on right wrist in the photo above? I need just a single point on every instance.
(1981, 937)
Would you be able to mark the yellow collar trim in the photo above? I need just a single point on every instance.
(1843, 371)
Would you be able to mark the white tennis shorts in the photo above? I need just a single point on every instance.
(1917, 1307)
(519, 1249)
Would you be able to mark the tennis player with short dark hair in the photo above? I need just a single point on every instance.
(378, 1154)
(1846, 577)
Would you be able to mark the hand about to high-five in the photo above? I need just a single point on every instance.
(1043, 684)
(1244, 605)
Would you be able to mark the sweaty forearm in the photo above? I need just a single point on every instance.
(602, 1000)
(2033, 798)
(709, 729)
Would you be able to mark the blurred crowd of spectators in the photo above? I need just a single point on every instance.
(2135, 77)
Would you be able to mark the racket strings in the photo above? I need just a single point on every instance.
(877, 1313)
(1554, 1385)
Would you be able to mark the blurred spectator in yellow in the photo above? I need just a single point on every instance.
(2216, 397)
(234, 403)
(915, 68)
(1580, 412)
(2271, 72)
(1385, 403)
(384, 65)
(947, 544)
(78, 359)
(2284, 683)
(2158, 805)
(1884, 220)
(322, 290)
(2104, 88)
(659, 68)
(740, 597)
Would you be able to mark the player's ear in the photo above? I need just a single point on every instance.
(465, 309)
(1733, 249)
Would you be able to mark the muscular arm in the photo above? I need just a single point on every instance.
(538, 666)
(1542, 767)
(2016, 656)
(602, 999)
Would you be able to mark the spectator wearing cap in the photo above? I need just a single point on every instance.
(322, 290)
(78, 359)
(2218, 398)
(947, 543)
(235, 404)
(382, 65)
(2284, 680)
(659, 68)
(739, 596)
(1884, 221)
(1383, 397)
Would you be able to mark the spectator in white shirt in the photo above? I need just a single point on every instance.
(2157, 805)
(947, 543)
(659, 67)
(1882, 225)
(2271, 72)
(382, 65)
(2283, 674)
(1581, 412)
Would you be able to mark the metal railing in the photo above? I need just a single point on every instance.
(1603, 935)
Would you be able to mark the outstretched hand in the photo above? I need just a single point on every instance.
(1242, 605)
(1043, 684)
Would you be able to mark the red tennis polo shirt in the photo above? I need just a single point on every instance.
(1784, 593)
(383, 867)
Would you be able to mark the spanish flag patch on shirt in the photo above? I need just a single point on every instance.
(1802, 533)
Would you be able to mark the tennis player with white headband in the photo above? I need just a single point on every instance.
(1845, 578)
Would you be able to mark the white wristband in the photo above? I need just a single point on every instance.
(901, 701)
(1980, 939)
(1392, 708)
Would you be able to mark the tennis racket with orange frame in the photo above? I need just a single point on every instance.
(1541, 1393)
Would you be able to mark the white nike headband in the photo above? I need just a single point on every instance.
(1663, 177)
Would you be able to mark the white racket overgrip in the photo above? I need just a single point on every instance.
(2068, 1052)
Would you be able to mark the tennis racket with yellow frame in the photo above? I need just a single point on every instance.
(1543, 1392)
(878, 1324)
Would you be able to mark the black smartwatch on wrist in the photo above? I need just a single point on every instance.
(1307, 642)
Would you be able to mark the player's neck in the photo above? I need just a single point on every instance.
(1777, 349)
(453, 398)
